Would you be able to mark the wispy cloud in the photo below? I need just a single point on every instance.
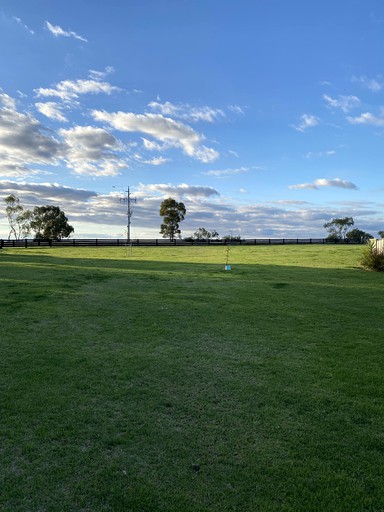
(236, 109)
(167, 189)
(186, 111)
(323, 182)
(225, 173)
(100, 75)
(307, 121)
(373, 84)
(7, 102)
(68, 90)
(320, 154)
(22, 24)
(160, 160)
(368, 118)
(345, 103)
(57, 31)
(51, 110)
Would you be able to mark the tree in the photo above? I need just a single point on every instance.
(173, 213)
(50, 222)
(381, 233)
(358, 235)
(19, 219)
(337, 228)
(232, 238)
(204, 234)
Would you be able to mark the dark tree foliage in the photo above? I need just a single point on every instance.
(358, 235)
(337, 228)
(205, 234)
(49, 222)
(173, 213)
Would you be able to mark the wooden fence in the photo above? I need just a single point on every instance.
(163, 242)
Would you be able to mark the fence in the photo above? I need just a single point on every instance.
(379, 245)
(163, 242)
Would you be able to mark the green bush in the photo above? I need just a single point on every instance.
(372, 258)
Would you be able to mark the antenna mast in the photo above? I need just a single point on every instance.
(128, 200)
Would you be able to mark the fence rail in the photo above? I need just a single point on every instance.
(162, 242)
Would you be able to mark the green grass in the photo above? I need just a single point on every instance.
(154, 380)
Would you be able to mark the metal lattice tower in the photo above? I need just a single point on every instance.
(128, 200)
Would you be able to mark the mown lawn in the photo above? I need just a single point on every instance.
(154, 380)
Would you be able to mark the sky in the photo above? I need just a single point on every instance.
(264, 117)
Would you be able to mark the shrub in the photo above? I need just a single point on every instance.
(372, 257)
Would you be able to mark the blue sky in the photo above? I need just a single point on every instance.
(265, 117)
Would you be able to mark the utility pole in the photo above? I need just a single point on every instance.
(128, 200)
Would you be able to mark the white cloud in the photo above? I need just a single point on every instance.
(92, 151)
(45, 192)
(7, 102)
(236, 109)
(187, 112)
(152, 145)
(26, 145)
(223, 173)
(322, 182)
(160, 160)
(368, 118)
(22, 24)
(162, 128)
(57, 31)
(373, 84)
(51, 110)
(99, 75)
(191, 191)
(69, 90)
(320, 154)
(307, 121)
(24, 142)
(345, 103)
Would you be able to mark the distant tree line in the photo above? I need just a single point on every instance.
(50, 222)
(174, 212)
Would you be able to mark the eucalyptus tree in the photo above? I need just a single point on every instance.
(49, 222)
(173, 212)
(337, 228)
(19, 219)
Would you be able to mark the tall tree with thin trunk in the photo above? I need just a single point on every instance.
(173, 213)
(337, 228)
(19, 219)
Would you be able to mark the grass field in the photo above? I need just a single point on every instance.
(154, 380)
